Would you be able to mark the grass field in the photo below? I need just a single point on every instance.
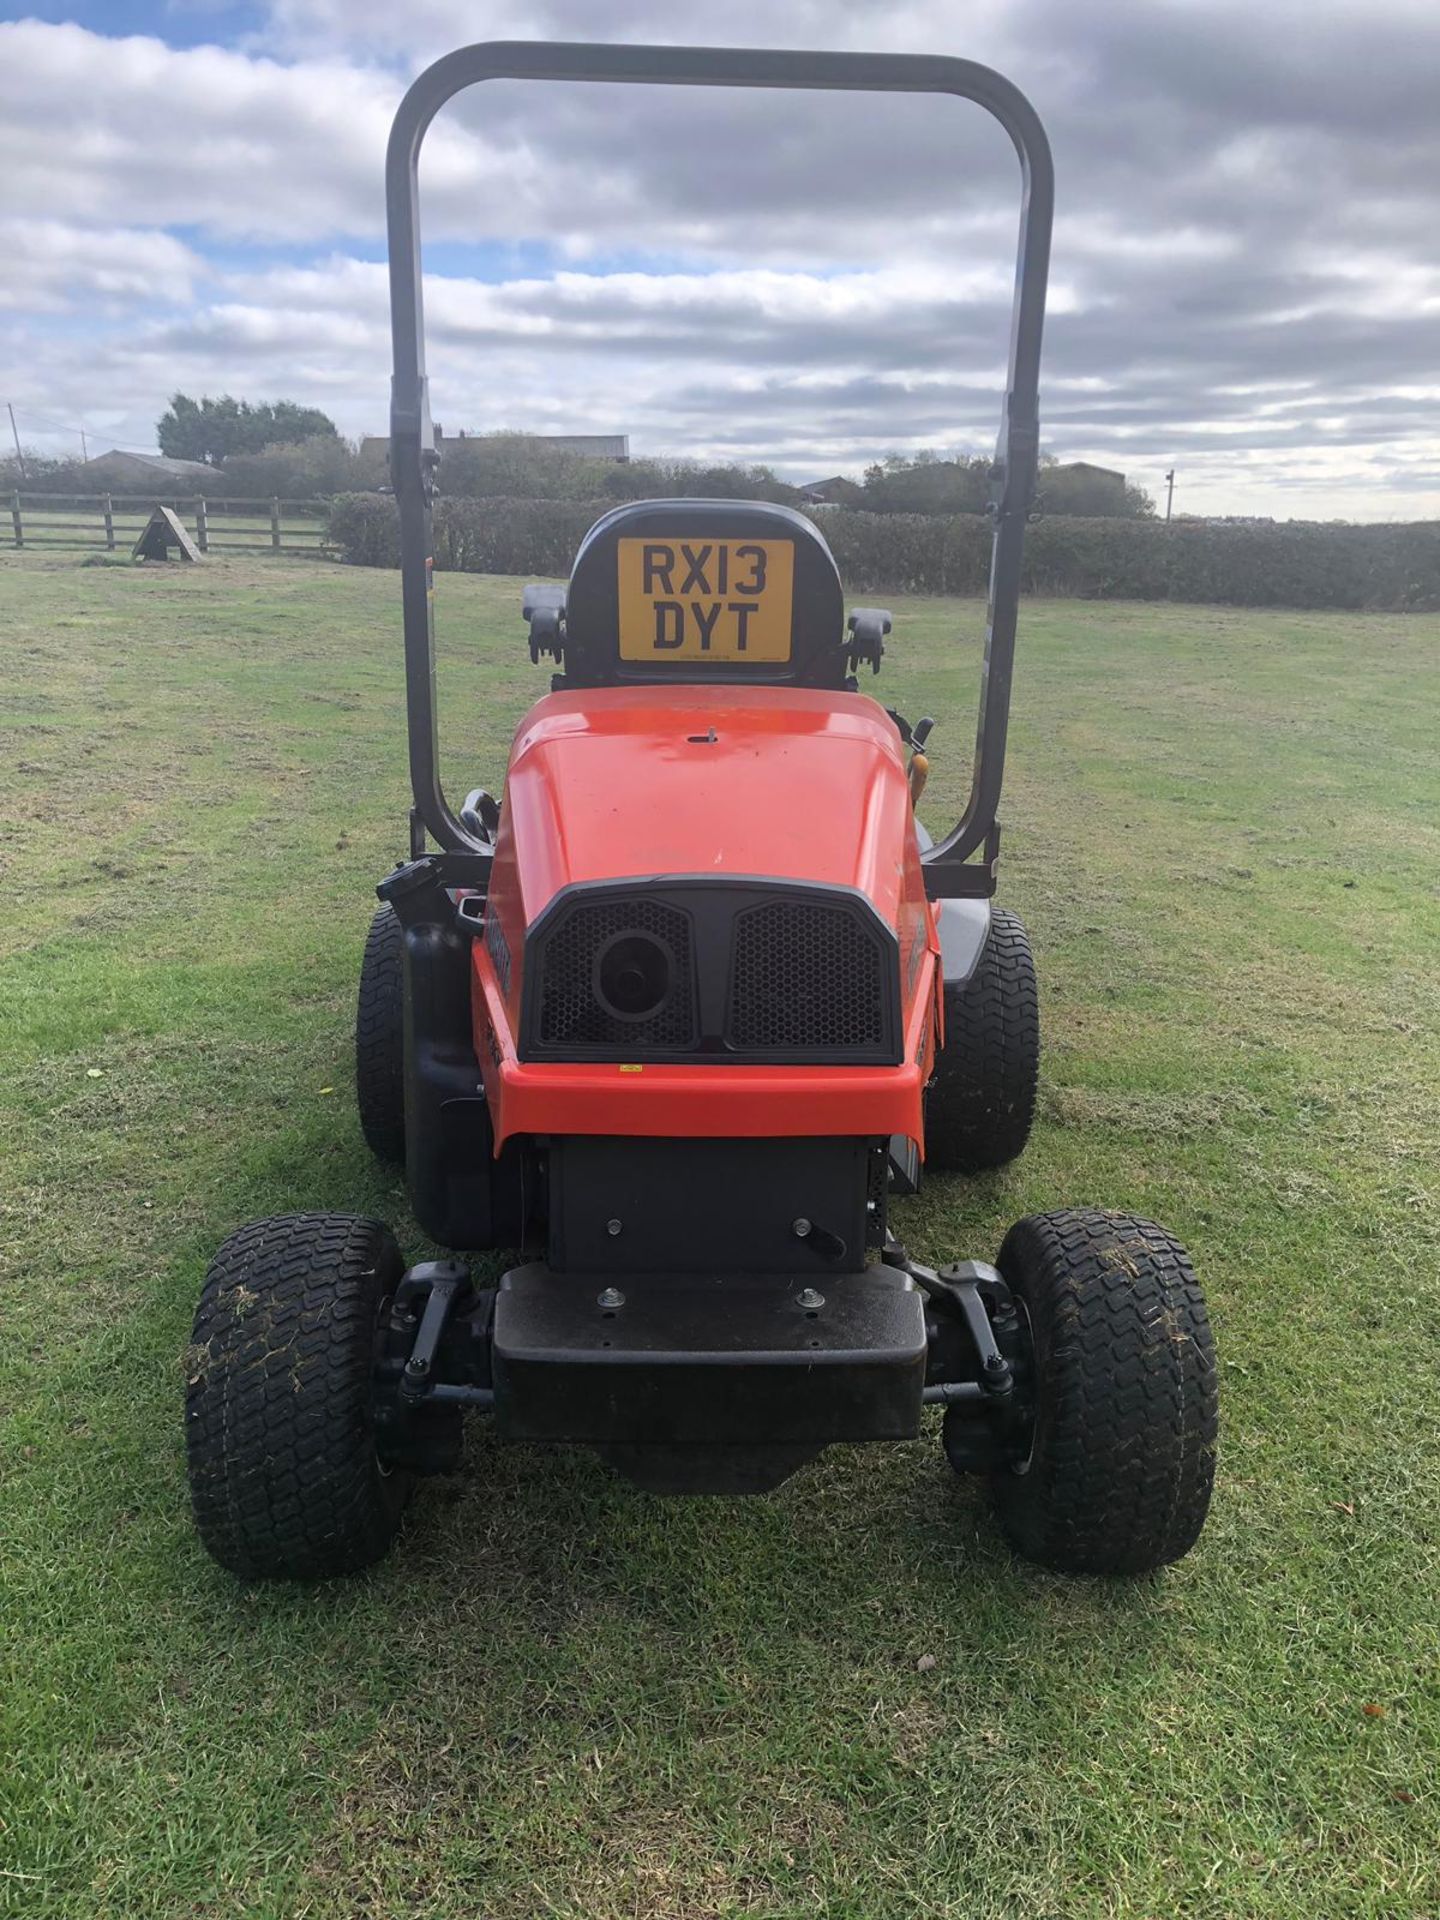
(561, 1697)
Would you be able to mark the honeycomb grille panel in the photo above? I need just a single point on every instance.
(806, 976)
(570, 1014)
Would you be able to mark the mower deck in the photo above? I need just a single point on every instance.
(730, 1379)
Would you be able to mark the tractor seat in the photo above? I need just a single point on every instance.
(713, 592)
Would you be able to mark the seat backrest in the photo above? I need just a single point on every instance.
(704, 590)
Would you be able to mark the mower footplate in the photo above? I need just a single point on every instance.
(662, 1360)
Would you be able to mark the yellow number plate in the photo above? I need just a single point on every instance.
(688, 600)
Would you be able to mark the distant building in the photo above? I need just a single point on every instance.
(1103, 477)
(592, 446)
(145, 471)
(834, 492)
(1088, 467)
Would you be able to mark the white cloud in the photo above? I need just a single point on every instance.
(93, 128)
(52, 266)
(426, 28)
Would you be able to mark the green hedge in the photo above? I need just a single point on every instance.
(1289, 564)
(531, 537)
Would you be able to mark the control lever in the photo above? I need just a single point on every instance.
(867, 628)
(919, 759)
(481, 815)
(543, 609)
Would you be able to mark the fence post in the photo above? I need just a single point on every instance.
(109, 522)
(202, 527)
(15, 516)
(275, 523)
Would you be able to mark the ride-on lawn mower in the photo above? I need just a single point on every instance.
(677, 1019)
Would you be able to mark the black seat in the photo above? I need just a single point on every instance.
(698, 590)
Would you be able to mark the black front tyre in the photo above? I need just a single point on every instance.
(1122, 1461)
(285, 1478)
(380, 1039)
(981, 1101)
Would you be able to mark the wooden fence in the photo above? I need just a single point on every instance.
(114, 522)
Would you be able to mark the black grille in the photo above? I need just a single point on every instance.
(571, 1013)
(806, 975)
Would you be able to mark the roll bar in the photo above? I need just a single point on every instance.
(412, 443)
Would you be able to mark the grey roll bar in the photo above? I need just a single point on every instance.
(412, 443)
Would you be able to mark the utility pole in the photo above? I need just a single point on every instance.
(84, 446)
(16, 431)
(1169, 493)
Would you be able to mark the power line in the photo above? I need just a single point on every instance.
(47, 425)
(43, 423)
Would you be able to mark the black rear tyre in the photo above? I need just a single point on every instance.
(1122, 1463)
(285, 1479)
(981, 1101)
(380, 1039)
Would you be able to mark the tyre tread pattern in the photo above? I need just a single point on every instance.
(981, 1101)
(380, 1039)
(1127, 1418)
(285, 1480)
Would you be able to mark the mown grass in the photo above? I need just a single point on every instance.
(560, 1697)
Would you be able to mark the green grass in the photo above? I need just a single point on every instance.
(561, 1697)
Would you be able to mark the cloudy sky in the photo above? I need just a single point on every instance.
(1246, 278)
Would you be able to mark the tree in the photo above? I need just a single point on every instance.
(211, 430)
(36, 472)
(304, 469)
(927, 482)
(679, 479)
(283, 423)
(518, 466)
(198, 429)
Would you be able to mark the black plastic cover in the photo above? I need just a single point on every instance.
(644, 1205)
